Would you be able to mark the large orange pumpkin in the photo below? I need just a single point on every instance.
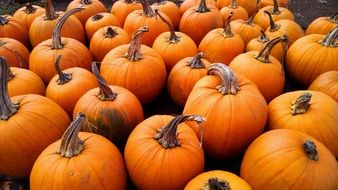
(327, 83)
(16, 54)
(288, 159)
(28, 13)
(170, 9)
(233, 120)
(28, 124)
(311, 56)
(100, 20)
(135, 67)
(164, 153)
(122, 8)
(322, 25)
(79, 160)
(237, 12)
(249, 5)
(12, 28)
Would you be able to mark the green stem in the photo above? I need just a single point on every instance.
(173, 39)
(63, 77)
(147, 10)
(30, 9)
(196, 62)
(227, 27)
(301, 105)
(50, 12)
(3, 20)
(311, 150)
(106, 93)
(134, 50)
(202, 7)
(264, 53)
(273, 26)
(330, 38)
(334, 18)
(216, 184)
(275, 10)
(111, 32)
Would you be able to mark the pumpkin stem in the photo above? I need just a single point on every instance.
(63, 77)
(56, 37)
(263, 38)
(167, 136)
(275, 9)
(97, 17)
(86, 2)
(202, 7)
(3, 20)
(196, 62)
(301, 105)
(233, 4)
(129, 1)
(249, 21)
(7, 108)
(50, 12)
(111, 32)
(273, 26)
(311, 150)
(264, 53)
(334, 18)
(30, 9)
(10, 74)
(227, 27)
(216, 184)
(106, 93)
(173, 39)
(147, 10)
(229, 83)
(330, 38)
(134, 50)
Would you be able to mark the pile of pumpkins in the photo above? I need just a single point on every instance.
(223, 61)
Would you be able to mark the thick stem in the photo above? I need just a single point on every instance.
(56, 37)
(173, 39)
(264, 53)
(111, 32)
(97, 17)
(7, 108)
(227, 27)
(134, 50)
(202, 7)
(273, 26)
(233, 4)
(167, 136)
(3, 20)
(50, 12)
(10, 74)
(86, 2)
(106, 93)
(263, 38)
(311, 150)
(249, 21)
(30, 9)
(63, 77)
(334, 18)
(196, 62)
(229, 83)
(275, 9)
(330, 38)
(216, 184)
(147, 10)
(301, 105)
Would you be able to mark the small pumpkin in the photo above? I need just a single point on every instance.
(88, 161)
(16, 54)
(12, 28)
(167, 145)
(289, 160)
(322, 25)
(249, 5)
(184, 76)
(327, 83)
(221, 45)
(170, 9)
(173, 46)
(100, 20)
(106, 39)
(281, 3)
(187, 4)
(122, 8)
(28, 13)
(238, 12)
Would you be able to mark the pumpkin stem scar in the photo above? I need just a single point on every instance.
(86, 2)
(275, 10)
(311, 150)
(263, 37)
(134, 50)
(227, 27)
(3, 20)
(63, 77)
(97, 17)
(50, 12)
(301, 105)
(29, 8)
(173, 39)
(202, 7)
(273, 26)
(106, 93)
(147, 10)
(264, 53)
(111, 32)
(196, 62)
(334, 18)
(330, 38)
(216, 184)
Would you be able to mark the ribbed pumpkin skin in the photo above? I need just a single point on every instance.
(14, 52)
(121, 9)
(93, 25)
(255, 45)
(152, 167)
(289, 28)
(27, 18)
(171, 10)
(238, 13)
(280, 156)
(234, 181)
(14, 29)
(282, 3)
(320, 120)
(248, 5)
(327, 83)
(99, 166)
(321, 25)
(246, 31)
(262, 18)
(25, 82)
(38, 123)
(187, 4)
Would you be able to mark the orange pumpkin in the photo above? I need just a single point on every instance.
(197, 21)
(249, 5)
(98, 21)
(27, 14)
(224, 100)
(221, 44)
(16, 54)
(31, 121)
(135, 67)
(173, 46)
(217, 179)
(187, 4)
(282, 3)
(106, 39)
(170, 9)
(184, 76)
(311, 56)
(238, 12)
(289, 160)
(43, 56)
(122, 8)
(12, 28)
(156, 149)
(322, 25)
(86, 160)
(327, 83)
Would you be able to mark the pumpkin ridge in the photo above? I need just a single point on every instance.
(3, 44)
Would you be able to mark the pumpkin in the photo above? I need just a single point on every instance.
(113, 109)
(106, 39)
(322, 25)
(249, 5)
(233, 120)
(28, 124)
(217, 179)
(170, 9)
(184, 75)
(238, 12)
(27, 14)
(196, 22)
(122, 8)
(16, 54)
(164, 153)
(282, 3)
(69, 85)
(327, 83)
(136, 67)
(86, 160)
(277, 13)
(75, 54)
(173, 46)
(42, 27)
(91, 8)
(289, 160)
(187, 4)
(221, 44)
(146, 17)
(98, 21)
(311, 56)
(12, 28)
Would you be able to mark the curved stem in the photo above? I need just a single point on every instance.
(202, 7)
(50, 12)
(216, 184)
(134, 50)
(106, 93)
(7, 108)
(264, 53)
(229, 83)
(3, 20)
(147, 10)
(330, 38)
(301, 105)
(86, 2)
(227, 27)
(63, 77)
(111, 32)
(29, 8)
(56, 37)
(334, 18)
(97, 17)
(275, 9)
(249, 21)
(233, 4)
(196, 62)
(263, 38)
(173, 39)
(273, 26)
(311, 150)
(166, 135)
